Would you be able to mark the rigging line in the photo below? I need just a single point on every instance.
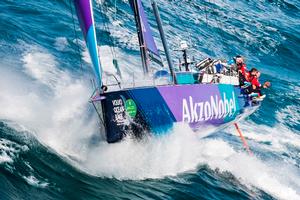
(76, 36)
(206, 17)
(106, 25)
(208, 13)
(106, 28)
(206, 23)
(206, 10)
(186, 30)
(115, 19)
(181, 21)
(220, 26)
(78, 49)
(115, 10)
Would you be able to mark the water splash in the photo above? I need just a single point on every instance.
(60, 119)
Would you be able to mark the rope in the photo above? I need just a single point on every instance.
(184, 28)
(219, 23)
(104, 9)
(179, 18)
(206, 12)
(206, 17)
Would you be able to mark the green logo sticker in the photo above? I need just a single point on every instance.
(130, 107)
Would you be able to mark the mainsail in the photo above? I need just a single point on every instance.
(147, 37)
(84, 12)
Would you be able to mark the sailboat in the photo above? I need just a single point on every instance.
(192, 95)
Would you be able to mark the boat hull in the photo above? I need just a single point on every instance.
(154, 110)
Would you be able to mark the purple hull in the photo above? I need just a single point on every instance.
(155, 109)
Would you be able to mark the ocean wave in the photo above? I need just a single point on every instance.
(44, 95)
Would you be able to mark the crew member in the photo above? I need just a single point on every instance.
(242, 70)
(255, 84)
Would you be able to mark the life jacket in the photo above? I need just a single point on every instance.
(242, 68)
(254, 81)
(247, 76)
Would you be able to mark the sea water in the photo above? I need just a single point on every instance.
(50, 145)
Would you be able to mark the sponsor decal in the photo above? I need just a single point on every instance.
(130, 107)
(215, 108)
(118, 109)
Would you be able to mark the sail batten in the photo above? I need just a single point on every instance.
(84, 12)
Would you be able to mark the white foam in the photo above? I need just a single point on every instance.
(150, 158)
(290, 114)
(278, 138)
(32, 180)
(4, 157)
(55, 106)
(9, 151)
(183, 152)
(42, 66)
(252, 171)
(48, 102)
(61, 43)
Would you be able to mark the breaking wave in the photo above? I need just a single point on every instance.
(45, 96)
(59, 118)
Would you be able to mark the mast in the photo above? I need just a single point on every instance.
(143, 48)
(163, 39)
